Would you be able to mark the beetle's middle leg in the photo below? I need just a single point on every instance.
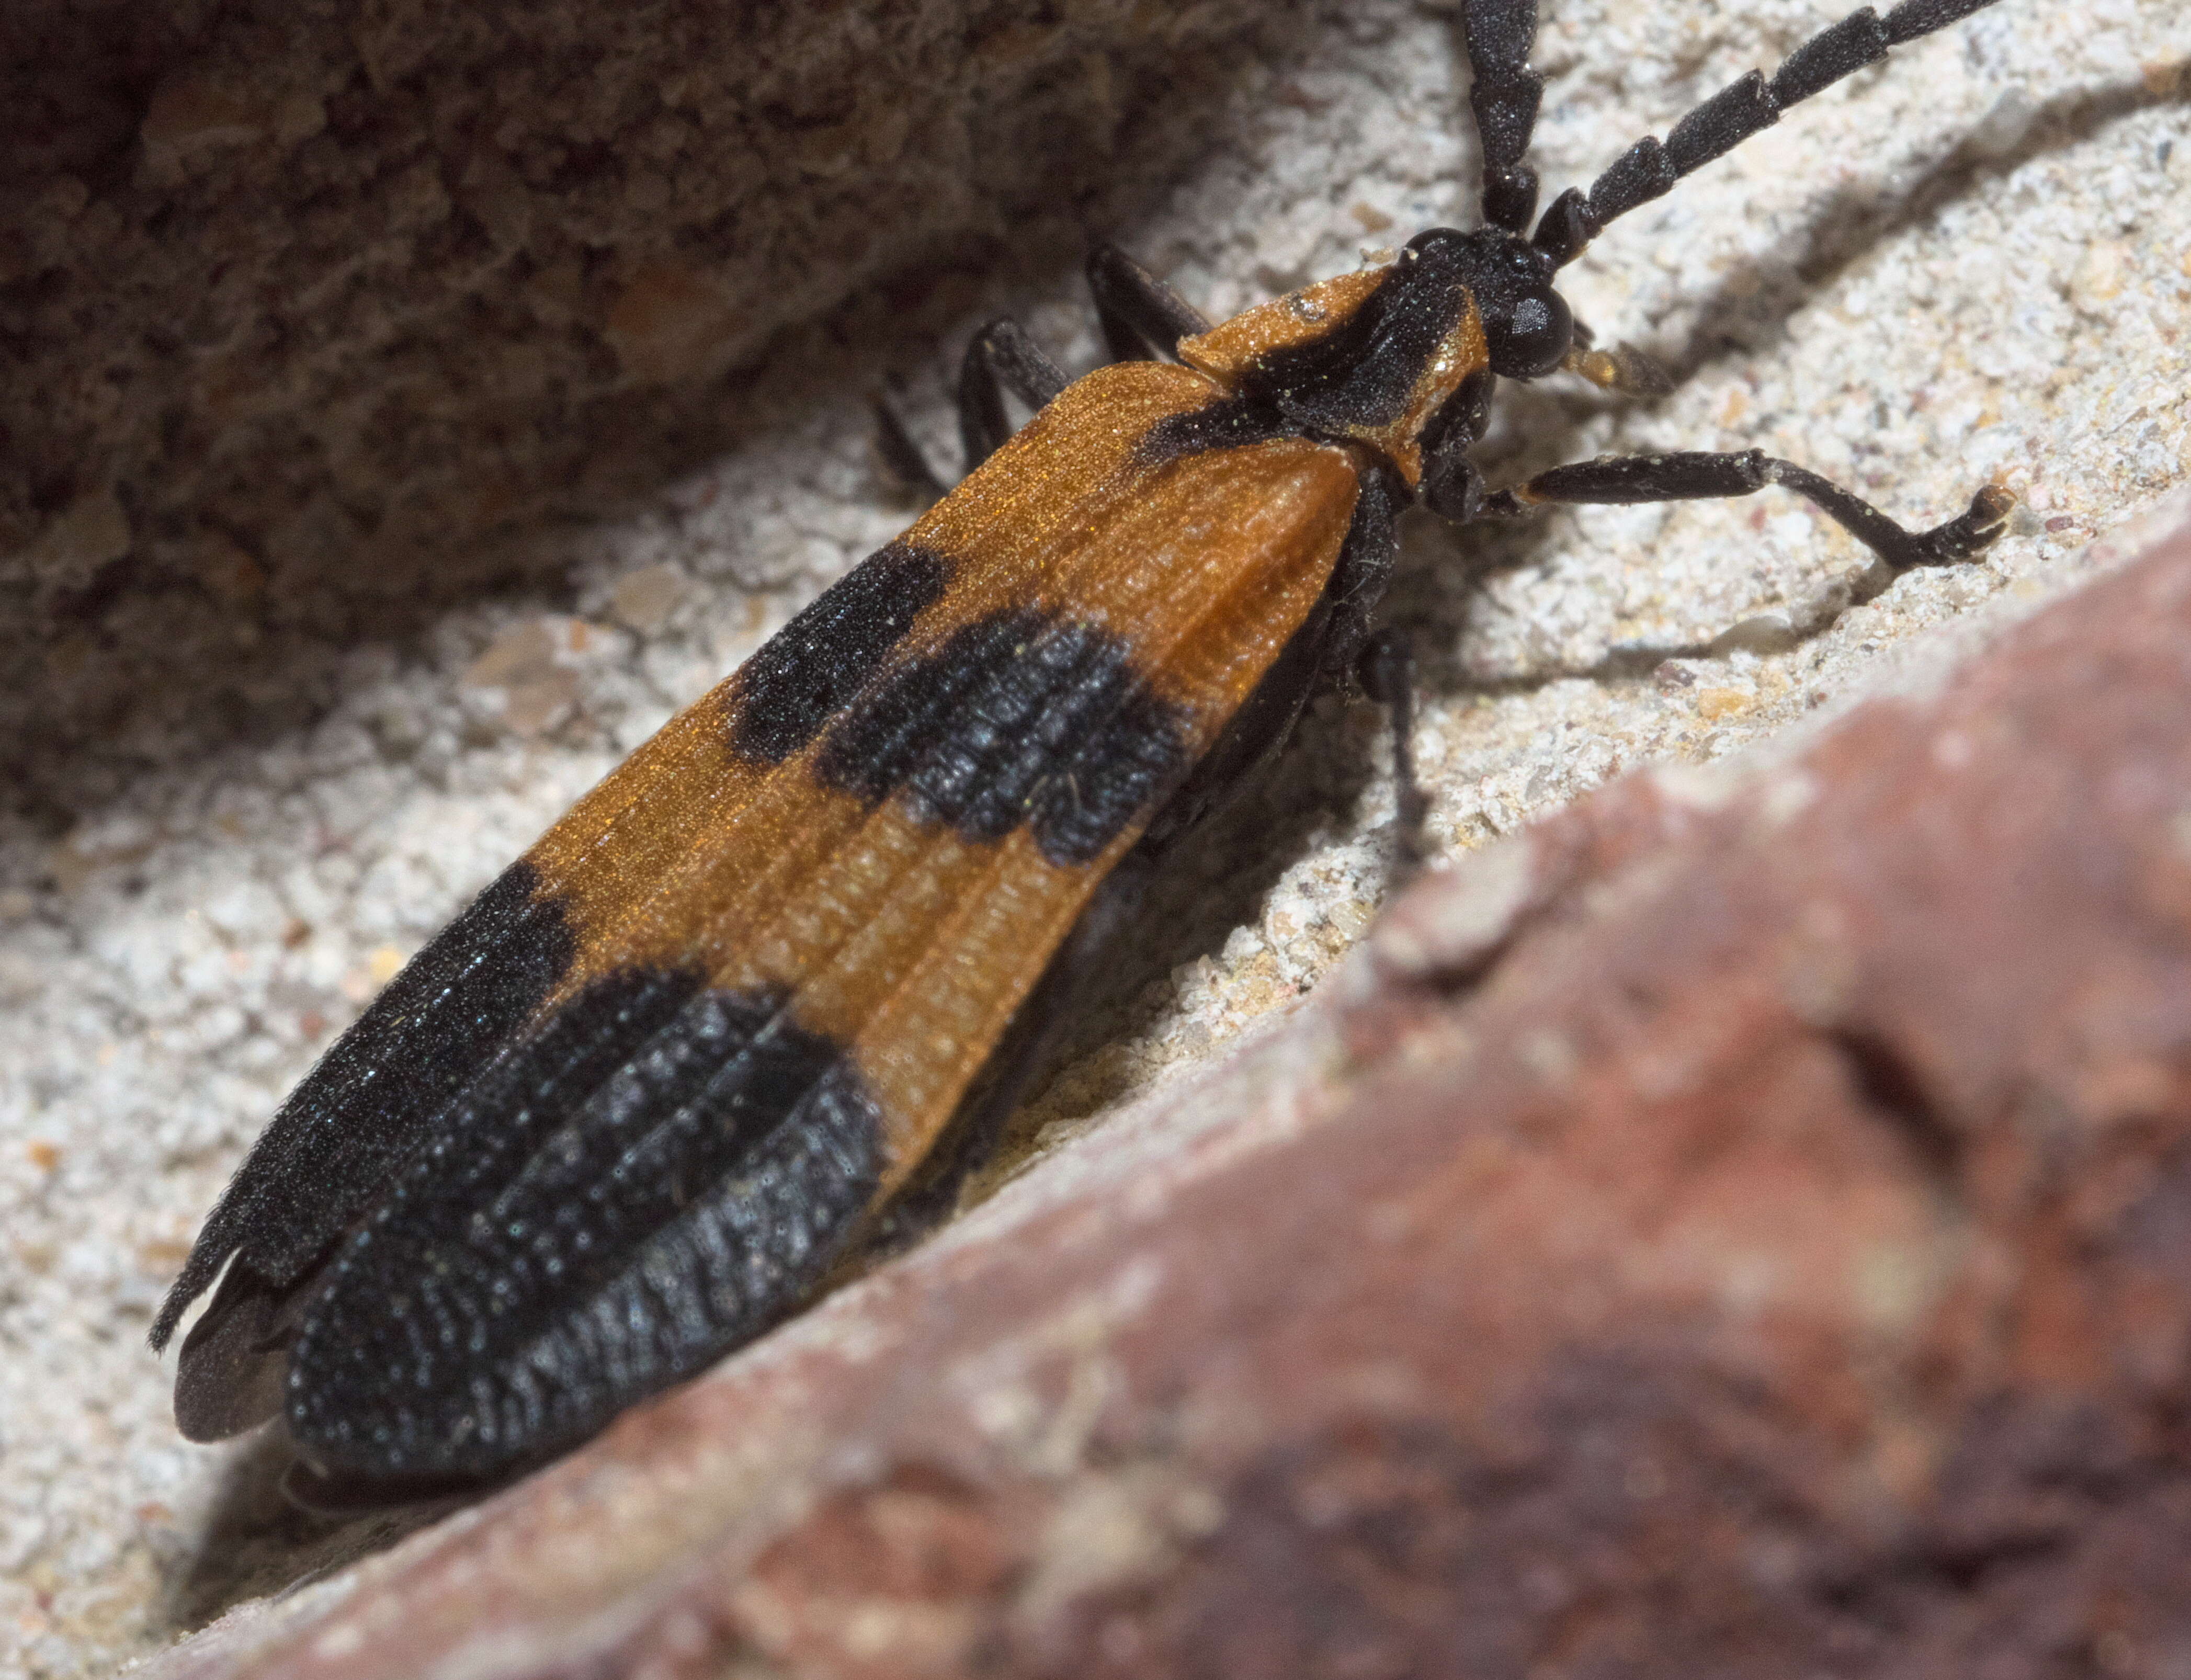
(1686, 476)
(902, 455)
(1386, 671)
(1138, 313)
(1000, 358)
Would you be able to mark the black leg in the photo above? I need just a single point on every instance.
(1452, 488)
(902, 455)
(1388, 673)
(1504, 96)
(1139, 312)
(1000, 358)
(1688, 477)
(1730, 116)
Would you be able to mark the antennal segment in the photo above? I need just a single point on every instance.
(1504, 96)
(1650, 167)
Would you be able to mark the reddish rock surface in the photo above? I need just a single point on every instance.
(1742, 1226)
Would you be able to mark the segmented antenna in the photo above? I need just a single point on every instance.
(1650, 167)
(1504, 95)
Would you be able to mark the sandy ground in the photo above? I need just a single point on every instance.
(1974, 265)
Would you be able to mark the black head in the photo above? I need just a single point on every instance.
(1527, 326)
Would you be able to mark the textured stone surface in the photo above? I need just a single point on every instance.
(312, 303)
(1969, 263)
(1742, 1226)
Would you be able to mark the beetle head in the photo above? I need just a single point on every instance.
(1527, 328)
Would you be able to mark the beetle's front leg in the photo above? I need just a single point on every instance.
(1689, 476)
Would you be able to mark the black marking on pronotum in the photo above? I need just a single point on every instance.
(804, 675)
(360, 1112)
(1364, 372)
(1015, 718)
(659, 1172)
(1366, 369)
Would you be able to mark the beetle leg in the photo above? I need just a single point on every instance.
(902, 456)
(1386, 669)
(1452, 488)
(1504, 96)
(1138, 311)
(1686, 476)
(1363, 568)
(1001, 357)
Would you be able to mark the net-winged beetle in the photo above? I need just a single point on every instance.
(723, 1017)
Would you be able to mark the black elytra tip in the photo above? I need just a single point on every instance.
(1018, 717)
(809, 670)
(358, 1114)
(660, 1172)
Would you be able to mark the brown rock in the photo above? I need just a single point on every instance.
(349, 293)
(1738, 1227)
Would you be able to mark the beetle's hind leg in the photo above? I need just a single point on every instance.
(1686, 476)
(1000, 357)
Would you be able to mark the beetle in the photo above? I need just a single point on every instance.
(720, 1025)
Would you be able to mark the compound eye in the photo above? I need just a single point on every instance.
(1532, 338)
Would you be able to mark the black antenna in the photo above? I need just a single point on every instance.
(1723, 122)
(1504, 95)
